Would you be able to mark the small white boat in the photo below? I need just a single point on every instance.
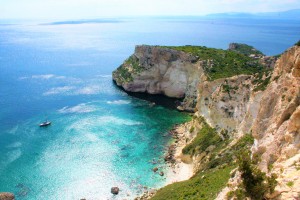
(45, 123)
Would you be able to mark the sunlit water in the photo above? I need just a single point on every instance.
(100, 137)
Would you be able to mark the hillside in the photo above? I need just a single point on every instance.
(243, 139)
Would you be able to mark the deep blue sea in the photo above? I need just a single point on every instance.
(100, 137)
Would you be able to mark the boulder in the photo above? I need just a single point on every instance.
(155, 169)
(115, 190)
(7, 196)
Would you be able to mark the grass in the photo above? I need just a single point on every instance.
(204, 185)
(215, 172)
(218, 63)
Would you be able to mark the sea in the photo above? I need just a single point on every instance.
(100, 136)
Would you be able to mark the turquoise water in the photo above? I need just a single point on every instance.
(100, 137)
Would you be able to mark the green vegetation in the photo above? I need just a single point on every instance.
(204, 186)
(130, 67)
(123, 74)
(228, 88)
(245, 49)
(207, 136)
(262, 83)
(192, 129)
(298, 43)
(290, 184)
(214, 172)
(255, 182)
(220, 63)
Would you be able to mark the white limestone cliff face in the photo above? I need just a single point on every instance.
(163, 71)
(276, 129)
(277, 126)
(229, 104)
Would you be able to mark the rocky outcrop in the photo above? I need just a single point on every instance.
(277, 126)
(7, 196)
(229, 104)
(158, 70)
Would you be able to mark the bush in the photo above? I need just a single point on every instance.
(255, 182)
(298, 43)
(206, 136)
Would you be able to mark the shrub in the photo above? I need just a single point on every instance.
(207, 136)
(290, 184)
(192, 129)
(255, 182)
(298, 43)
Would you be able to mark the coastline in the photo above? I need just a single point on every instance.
(176, 170)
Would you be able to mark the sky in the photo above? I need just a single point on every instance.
(79, 9)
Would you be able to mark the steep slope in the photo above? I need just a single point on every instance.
(234, 93)
(277, 127)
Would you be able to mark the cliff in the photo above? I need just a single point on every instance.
(157, 70)
(177, 71)
(234, 93)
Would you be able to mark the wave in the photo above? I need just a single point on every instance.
(13, 130)
(58, 90)
(13, 155)
(42, 77)
(72, 90)
(104, 76)
(83, 125)
(80, 108)
(119, 102)
(92, 89)
(14, 145)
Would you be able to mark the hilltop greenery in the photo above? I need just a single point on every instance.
(219, 63)
(298, 43)
(245, 49)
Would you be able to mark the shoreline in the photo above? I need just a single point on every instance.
(176, 170)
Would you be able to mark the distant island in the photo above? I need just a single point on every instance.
(242, 141)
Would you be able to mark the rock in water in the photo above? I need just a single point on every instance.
(155, 169)
(115, 190)
(7, 196)
(161, 174)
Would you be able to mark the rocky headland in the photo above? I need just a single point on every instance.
(243, 140)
